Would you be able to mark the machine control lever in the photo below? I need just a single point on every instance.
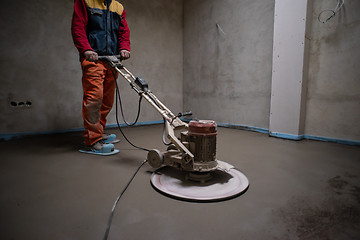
(189, 113)
(142, 83)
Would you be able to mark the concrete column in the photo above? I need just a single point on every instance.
(288, 88)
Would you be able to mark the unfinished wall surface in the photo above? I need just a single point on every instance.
(227, 67)
(40, 64)
(333, 101)
(211, 57)
(156, 55)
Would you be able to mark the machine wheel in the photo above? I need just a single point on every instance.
(155, 158)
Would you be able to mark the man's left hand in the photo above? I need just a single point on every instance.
(125, 54)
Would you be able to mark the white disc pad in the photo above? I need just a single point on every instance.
(223, 185)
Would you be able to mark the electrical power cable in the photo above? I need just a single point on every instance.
(164, 121)
(137, 170)
(118, 98)
(339, 5)
(118, 199)
(121, 108)
(119, 127)
(164, 133)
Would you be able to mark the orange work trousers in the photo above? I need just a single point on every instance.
(99, 88)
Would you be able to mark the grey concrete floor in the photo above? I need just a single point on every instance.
(298, 190)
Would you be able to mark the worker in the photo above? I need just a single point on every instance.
(99, 28)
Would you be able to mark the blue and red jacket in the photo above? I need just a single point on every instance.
(100, 26)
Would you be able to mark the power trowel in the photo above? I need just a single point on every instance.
(188, 169)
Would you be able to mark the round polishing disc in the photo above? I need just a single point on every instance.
(221, 186)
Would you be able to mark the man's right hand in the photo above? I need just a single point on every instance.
(91, 56)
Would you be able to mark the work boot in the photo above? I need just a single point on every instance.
(102, 147)
(110, 138)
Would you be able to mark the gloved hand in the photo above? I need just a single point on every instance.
(125, 54)
(91, 56)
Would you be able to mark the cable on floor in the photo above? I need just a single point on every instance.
(117, 200)
(118, 98)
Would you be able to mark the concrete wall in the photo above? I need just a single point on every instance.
(157, 55)
(333, 103)
(40, 64)
(227, 77)
(227, 71)
(220, 52)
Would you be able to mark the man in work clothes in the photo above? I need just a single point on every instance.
(99, 28)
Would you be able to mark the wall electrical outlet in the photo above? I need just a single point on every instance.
(20, 104)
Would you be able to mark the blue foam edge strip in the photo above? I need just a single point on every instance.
(290, 136)
(10, 136)
(316, 138)
(243, 127)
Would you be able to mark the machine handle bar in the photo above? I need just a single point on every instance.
(107, 57)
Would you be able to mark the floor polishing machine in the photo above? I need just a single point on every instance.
(188, 170)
